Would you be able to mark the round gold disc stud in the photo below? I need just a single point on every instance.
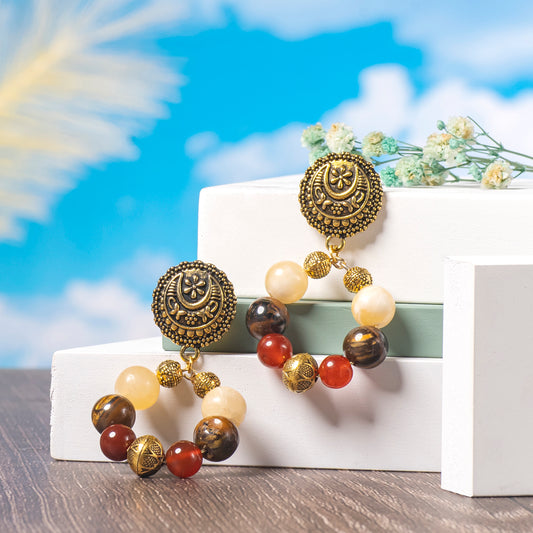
(340, 194)
(194, 304)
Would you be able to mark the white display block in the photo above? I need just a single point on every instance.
(244, 228)
(488, 376)
(388, 418)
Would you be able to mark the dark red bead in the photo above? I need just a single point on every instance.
(115, 441)
(184, 458)
(335, 371)
(266, 315)
(274, 349)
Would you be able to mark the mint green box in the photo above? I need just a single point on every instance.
(319, 328)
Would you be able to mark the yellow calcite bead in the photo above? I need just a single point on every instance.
(139, 385)
(226, 402)
(286, 281)
(373, 306)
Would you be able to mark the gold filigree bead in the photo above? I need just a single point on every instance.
(317, 265)
(169, 373)
(356, 278)
(203, 382)
(300, 372)
(146, 455)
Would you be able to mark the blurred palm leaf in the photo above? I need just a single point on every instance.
(75, 88)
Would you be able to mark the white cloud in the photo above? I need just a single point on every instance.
(489, 43)
(387, 101)
(257, 156)
(85, 313)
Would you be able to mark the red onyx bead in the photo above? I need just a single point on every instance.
(115, 441)
(274, 349)
(184, 458)
(335, 371)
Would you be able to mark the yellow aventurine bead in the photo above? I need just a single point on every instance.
(139, 385)
(226, 402)
(286, 281)
(373, 306)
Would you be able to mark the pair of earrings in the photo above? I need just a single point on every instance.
(194, 304)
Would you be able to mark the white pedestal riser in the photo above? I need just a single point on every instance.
(244, 228)
(488, 376)
(388, 418)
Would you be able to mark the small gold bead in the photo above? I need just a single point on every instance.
(203, 382)
(300, 372)
(146, 455)
(169, 373)
(317, 265)
(356, 278)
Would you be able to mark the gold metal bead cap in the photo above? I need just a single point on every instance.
(194, 304)
(356, 278)
(317, 265)
(300, 372)
(146, 455)
(340, 194)
(203, 382)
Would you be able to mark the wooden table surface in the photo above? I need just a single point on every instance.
(40, 494)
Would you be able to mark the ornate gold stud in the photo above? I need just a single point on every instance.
(194, 304)
(340, 194)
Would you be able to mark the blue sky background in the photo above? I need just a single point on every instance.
(255, 75)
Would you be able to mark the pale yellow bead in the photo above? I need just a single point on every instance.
(373, 306)
(226, 402)
(139, 385)
(286, 281)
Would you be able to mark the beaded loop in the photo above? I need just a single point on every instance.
(340, 195)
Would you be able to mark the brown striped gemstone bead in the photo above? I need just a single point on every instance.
(217, 437)
(365, 347)
(266, 315)
(112, 409)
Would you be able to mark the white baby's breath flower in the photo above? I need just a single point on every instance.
(460, 127)
(436, 147)
(372, 144)
(340, 138)
(497, 175)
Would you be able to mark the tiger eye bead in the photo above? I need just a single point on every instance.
(112, 409)
(266, 315)
(365, 347)
(286, 281)
(139, 385)
(217, 437)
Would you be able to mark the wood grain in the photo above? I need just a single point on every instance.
(40, 494)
